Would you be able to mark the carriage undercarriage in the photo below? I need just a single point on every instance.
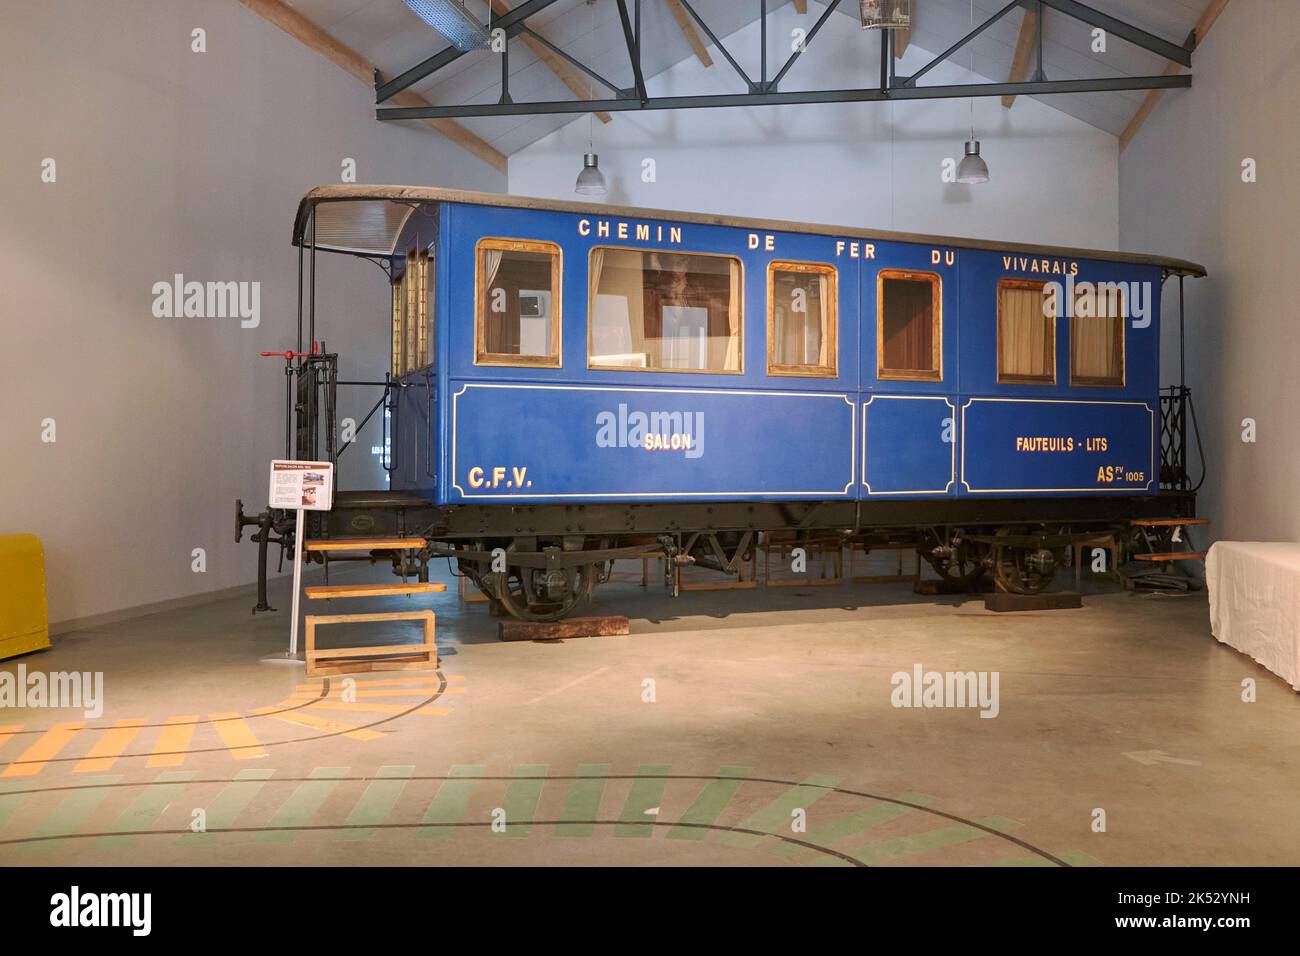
(542, 562)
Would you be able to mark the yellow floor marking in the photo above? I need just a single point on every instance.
(412, 679)
(378, 708)
(237, 736)
(358, 692)
(32, 760)
(329, 726)
(173, 742)
(7, 731)
(435, 711)
(109, 747)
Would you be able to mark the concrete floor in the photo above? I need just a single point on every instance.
(766, 704)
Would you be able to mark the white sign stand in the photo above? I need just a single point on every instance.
(301, 486)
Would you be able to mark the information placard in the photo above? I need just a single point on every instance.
(302, 485)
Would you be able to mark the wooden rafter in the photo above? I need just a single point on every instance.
(688, 30)
(901, 40)
(1025, 44)
(1207, 18)
(577, 84)
(314, 38)
(801, 7)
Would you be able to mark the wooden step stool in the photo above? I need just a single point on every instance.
(364, 659)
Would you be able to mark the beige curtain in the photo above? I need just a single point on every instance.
(1096, 352)
(1026, 348)
(731, 362)
(823, 320)
(491, 263)
(594, 269)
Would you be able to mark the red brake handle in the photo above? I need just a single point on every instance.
(289, 356)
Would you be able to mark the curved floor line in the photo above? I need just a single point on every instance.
(1023, 844)
(325, 690)
(442, 687)
(420, 826)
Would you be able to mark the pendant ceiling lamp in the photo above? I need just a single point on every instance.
(591, 181)
(972, 169)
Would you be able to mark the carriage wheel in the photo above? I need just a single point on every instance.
(1020, 570)
(962, 571)
(534, 594)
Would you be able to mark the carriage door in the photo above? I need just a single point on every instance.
(909, 371)
(412, 458)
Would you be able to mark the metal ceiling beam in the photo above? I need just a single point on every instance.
(1181, 55)
(633, 41)
(773, 98)
(512, 23)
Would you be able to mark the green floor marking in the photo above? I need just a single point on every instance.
(451, 801)
(9, 802)
(841, 828)
(303, 803)
(70, 813)
(708, 806)
(1077, 858)
(377, 802)
(228, 805)
(582, 802)
(1032, 860)
(776, 816)
(1073, 857)
(885, 851)
(646, 794)
(146, 808)
(521, 800)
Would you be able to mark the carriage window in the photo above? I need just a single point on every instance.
(399, 301)
(518, 303)
(909, 326)
(1097, 336)
(1026, 334)
(423, 335)
(664, 311)
(802, 309)
(411, 283)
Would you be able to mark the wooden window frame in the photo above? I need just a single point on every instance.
(936, 340)
(1098, 381)
(832, 331)
(740, 309)
(1008, 379)
(481, 355)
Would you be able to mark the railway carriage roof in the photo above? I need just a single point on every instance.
(367, 220)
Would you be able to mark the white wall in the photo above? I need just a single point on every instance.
(169, 161)
(1182, 194)
(1054, 178)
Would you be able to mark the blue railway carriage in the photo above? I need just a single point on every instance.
(572, 383)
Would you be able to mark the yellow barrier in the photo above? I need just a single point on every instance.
(24, 617)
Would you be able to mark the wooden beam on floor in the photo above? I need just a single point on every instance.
(1207, 18)
(1025, 44)
(579, 85)
(688, 30)
(345, 58)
